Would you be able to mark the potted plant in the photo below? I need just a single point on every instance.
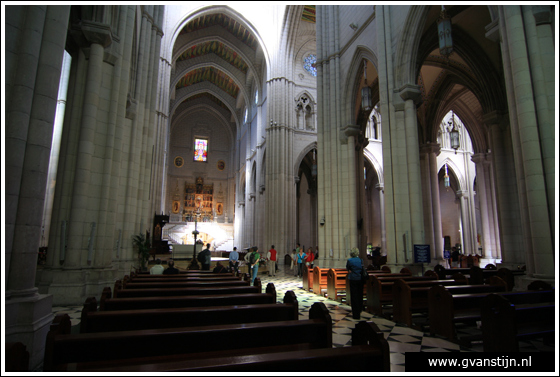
(143, 245)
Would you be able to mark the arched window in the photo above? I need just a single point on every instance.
(373, 128)
(309, 64)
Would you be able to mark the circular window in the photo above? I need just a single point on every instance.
(309, 63)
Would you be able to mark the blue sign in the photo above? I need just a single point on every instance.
(446, 254)
(422, 254)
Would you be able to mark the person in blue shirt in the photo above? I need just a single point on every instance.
(234, 261)
(300, 261)
(254, 264)
(354, 266)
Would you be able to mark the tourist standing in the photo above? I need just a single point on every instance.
(354, 266)
(310, 258)
(205, 258)
(254, 263)
(234, 261)
(300, 261)
(271, 256)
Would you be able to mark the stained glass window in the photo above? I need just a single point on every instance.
(200, 150)
(309, 63)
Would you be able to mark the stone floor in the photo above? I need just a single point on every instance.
(401, 339)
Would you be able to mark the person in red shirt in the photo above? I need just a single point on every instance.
(310, 258)
(271, 256)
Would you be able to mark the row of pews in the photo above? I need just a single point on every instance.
(205, 322)
(444, 298)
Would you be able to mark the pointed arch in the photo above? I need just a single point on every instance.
(452, 168)
(377, 166)
(352, 84)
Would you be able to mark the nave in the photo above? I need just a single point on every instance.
(401, 339)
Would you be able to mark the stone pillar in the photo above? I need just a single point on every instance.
(462, 196)
(433, 150)
(22, 57)
(530, 152)
(29, 131)
(537, 21)
(486, 209)
(379, 187)
(408, 165)
(80, 216)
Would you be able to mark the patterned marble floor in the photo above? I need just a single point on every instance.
(401, 339)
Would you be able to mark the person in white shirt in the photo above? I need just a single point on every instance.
(157, 269)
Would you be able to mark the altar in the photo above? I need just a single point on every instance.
(184, 251)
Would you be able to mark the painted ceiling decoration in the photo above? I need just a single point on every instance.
(215, 76)
(308, 13)
(211, 98)
(217, 48)
(227, 23)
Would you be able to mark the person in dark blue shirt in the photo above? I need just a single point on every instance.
(354, 266)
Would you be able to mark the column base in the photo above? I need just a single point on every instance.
(28, 321)
(71, 287)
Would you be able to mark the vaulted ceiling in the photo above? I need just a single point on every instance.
(468, 80)
(216, 60)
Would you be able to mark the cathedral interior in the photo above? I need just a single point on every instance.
(399, 128)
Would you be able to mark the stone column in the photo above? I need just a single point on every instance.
(80, 216)
(433, 151)
(537, 22)
(486, 213)
(465, 228)
(379, 187)
(530, 155)
(411, 95)
(23, 57)
(28, 314)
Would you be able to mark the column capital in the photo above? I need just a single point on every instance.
(92, 32)
(481, 158)
(542, 14)
(411, 92)
(430, 148)
(380, 186)
(493, 118)
(351, 130)
(461, 194)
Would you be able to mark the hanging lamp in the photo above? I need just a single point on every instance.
(454, 133)
(366, 92)
(444, 33)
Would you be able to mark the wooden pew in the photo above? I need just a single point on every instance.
(320, 279)
(477, 275)
(369, 352)
(336, 284)
(188, 291)
(307, 282)
(183, 284)
(458, 304)
(379, 291)
(62, 347)
(411, 297)
(508, 318)
(108, 303)
(124, 320)
(384, 272)
(17, 357)
(179, 277)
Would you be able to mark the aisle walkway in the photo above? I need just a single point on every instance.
(401, 339)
